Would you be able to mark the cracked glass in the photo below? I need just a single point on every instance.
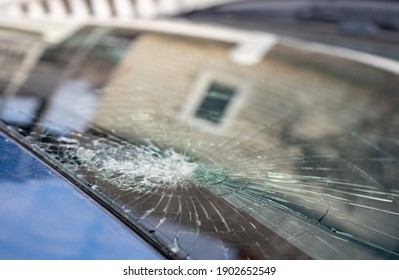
(294, 157)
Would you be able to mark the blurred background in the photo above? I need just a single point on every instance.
(80, 9)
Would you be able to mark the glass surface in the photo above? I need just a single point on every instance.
(301, 163)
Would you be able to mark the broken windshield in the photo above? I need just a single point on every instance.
(294, 156)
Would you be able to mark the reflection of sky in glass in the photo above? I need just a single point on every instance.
(44, 217)
(81, 99)
(28, 105)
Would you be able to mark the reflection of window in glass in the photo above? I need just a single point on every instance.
(215, 102)
(215, 99)
(110, 48)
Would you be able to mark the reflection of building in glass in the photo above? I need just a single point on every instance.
(168, 78)
(291, 135)
(66, 80)
(19, 52)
